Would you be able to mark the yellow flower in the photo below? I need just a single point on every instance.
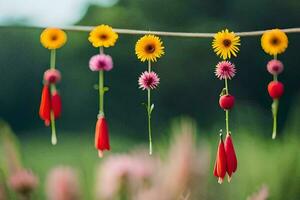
(274, 41)
(103, 36)
(53, 38)
(225, 43)
(149, 48)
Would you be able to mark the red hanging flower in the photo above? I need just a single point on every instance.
(220, 164)
(230, 156)
(101, 136)
(45, 106)
(56, 104)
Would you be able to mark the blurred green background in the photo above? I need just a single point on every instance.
(188, 87)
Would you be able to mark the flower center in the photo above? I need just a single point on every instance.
(149, 48)
(276, 68)
(227, 42)
(225, 69)
(275, 41)
(53, 37)
(101, 64)
(149, 81)
(103, 36)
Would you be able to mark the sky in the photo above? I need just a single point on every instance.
(46, 12)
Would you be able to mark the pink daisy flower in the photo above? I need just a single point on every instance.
(148, 80)
(52, 76)
(275, 67)
(101, 62)
(225, 70)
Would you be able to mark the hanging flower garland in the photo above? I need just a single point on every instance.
(102, 36)
(274, 42)
(50, 106)
(225, 44)
(149, 48)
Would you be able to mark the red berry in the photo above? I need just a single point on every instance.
(226, 102)
(275, 89)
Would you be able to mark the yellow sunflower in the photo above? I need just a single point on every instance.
(274, 41)
(103, 36)
(149, 48)
(225, 43)
(53, 38)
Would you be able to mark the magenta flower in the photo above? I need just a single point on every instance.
(275, 67)
(225, 70)
(148, 80)
(101, 62)
(52, 76)
(23, 182)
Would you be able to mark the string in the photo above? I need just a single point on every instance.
(161, 33)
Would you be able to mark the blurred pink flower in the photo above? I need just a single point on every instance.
(101, 62)
(23, 182)
(225, 70)
(118, 171)
(262, 194)
(148, 80)
(275, 67)
(62, 184)
(2, 192)
(52, 76)
(184, 174)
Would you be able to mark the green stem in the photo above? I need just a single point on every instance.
(149, 113)
(227, 121)
(226, 111)
(52, 58)
(275, 111)
(226, 86)
(101, 92)
(275, 107)
(101, 87)
(53, 89)
(53, 129)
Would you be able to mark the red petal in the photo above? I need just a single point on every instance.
(102, 135)
(230, 155)
(56, 105)
(215, 169)
(221, 160)
(45, 106)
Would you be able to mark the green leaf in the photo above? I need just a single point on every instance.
(105, 89)
(151, 108)
(223, 92)
(96, 87)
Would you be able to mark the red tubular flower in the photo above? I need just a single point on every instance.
(45, 106)
(220, 164)
(56, 104)
(101, 136)
(230, 156)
